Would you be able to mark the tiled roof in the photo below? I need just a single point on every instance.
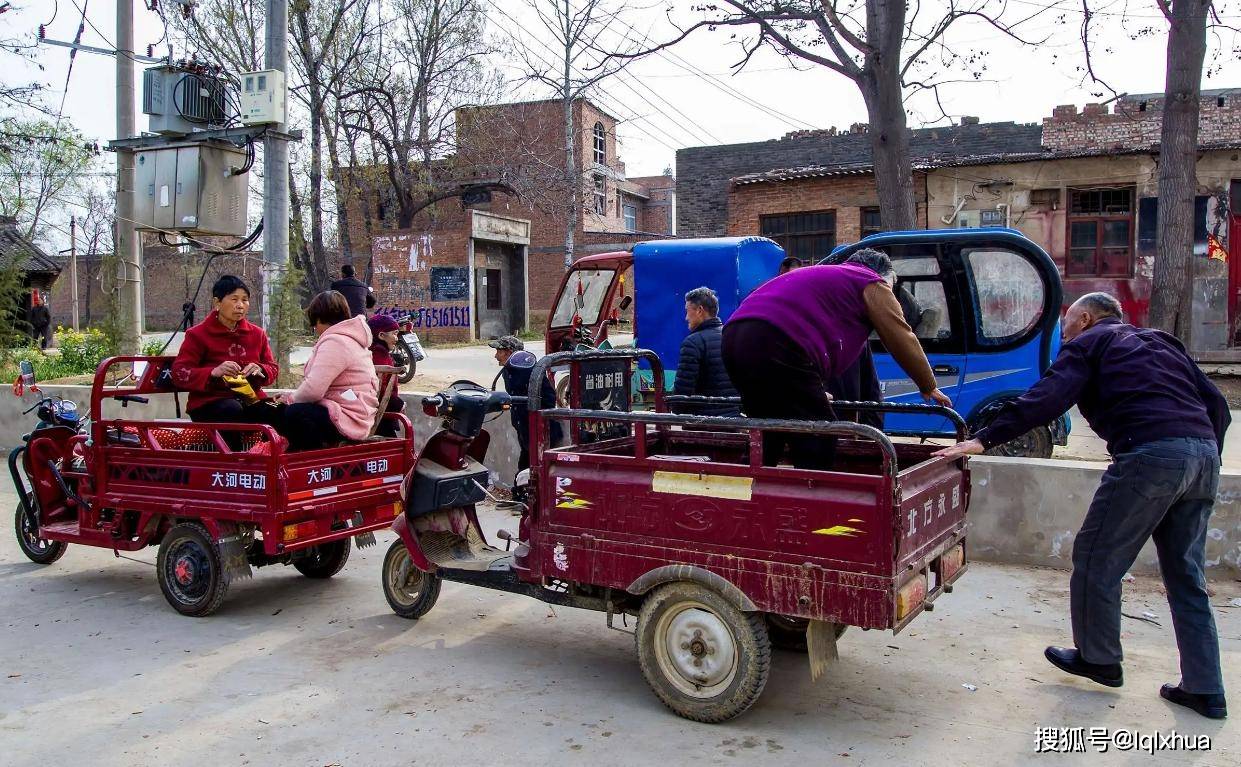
(16, 250)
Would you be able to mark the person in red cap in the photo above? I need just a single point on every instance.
(386, 332)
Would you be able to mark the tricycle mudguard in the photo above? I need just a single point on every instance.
(401, 527)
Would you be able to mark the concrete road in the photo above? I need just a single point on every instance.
(98, 670)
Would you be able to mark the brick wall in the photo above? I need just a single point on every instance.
(169, 281)
(1136, 123)
(526, 142)
(846, 195)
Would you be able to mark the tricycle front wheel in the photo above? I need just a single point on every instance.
(189, 570)
(411, 593)
(325, 560)
(706, 660)
(38, 550)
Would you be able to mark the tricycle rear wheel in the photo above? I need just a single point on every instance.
(325, 560)
(706, 660)
(790, 633)
(37, 550)
(189, 570)
(410, 592)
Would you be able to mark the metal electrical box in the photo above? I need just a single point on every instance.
(193, 189)
(263, 97)
(179, 102)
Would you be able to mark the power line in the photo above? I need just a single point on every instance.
(694, 134)
(715, 82)
(546, 46)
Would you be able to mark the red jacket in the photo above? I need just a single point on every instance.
(210, 343)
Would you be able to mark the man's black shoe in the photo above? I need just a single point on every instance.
(1070, 660)
(1210, 706)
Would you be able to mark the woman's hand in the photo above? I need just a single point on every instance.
(229, 368)
(254, 370)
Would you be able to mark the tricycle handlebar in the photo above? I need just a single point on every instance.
(857, 406)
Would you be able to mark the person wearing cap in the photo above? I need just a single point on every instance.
(385, 331)
(516, 366)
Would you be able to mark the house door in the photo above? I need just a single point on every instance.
(1234, 260)
(499, 289)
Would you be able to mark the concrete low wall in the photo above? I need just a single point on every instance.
(501, 455)
(1022, 510)
(1028, 511)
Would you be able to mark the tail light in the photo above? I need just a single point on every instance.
(299, 530)
(951, 562)
(910, 596)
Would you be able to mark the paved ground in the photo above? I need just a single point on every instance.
(96, 669)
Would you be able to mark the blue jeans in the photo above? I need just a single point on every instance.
(1162, 489)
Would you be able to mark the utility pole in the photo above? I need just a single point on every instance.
(128, 247)
(73, 268)
(275, 183)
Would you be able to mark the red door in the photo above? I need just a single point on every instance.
(1234, 258)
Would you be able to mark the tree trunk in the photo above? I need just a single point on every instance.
(317, 255)
(1172, 287)
(345, 190)
(880, 84)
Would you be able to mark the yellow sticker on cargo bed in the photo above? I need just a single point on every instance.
(707, 485)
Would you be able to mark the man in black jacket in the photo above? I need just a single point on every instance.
(1164, 423)
(701, 367)
(354, 290)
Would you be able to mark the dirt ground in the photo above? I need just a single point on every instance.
(96, 669)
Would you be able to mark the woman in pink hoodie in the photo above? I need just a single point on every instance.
(338, 397)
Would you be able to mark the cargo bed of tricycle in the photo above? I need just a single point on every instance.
(217, 498)
(871, 543)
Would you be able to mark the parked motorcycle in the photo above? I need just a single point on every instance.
(59, 420)
(408, 352)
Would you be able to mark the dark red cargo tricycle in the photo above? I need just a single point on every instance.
(216, 498)
(674, 520)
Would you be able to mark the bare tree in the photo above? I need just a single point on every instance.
(329, 40)
(1189, 22)
(574, 72)
(889, 49)
(429, 60)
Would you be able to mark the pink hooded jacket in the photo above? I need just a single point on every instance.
(341, 377)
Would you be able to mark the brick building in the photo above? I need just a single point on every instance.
(493, 268)
(1084, 185)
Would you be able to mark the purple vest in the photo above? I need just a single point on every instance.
(820, 308)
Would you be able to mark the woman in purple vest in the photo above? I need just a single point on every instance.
(803, 328)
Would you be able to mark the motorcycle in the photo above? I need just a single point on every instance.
(408, 352)
(60, 421)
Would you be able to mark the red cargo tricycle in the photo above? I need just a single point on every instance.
(673, 519)
(216, 498)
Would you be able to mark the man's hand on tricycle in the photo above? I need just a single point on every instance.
(938, 397)
(960, 450)
(229, 368)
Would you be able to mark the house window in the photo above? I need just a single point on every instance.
(631, 218)
(808, 236)
(601, 145)
(601, 197)
(871, 221)
(1100, 236)
(493, 289)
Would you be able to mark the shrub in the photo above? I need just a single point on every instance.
(81, 351)
(152, 348)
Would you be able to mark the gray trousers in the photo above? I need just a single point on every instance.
(1163, 490)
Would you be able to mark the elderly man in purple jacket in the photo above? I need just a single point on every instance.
(1164, 423)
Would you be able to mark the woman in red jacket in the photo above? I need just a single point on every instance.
(385, 332)
(225, 361)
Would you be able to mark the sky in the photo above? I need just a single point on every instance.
(689, 96)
